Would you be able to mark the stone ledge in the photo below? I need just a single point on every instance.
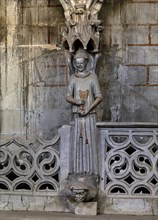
(14, 215)
(32, 203)
(86, 208)
(129, 206)
(127, 125)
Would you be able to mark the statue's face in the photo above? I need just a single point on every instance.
(79, 195)
(80, 64)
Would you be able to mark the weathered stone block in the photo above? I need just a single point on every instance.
(153, 77)
(149, 93)
(54, 33)
(64, 154)
(154, 34)
(12, 122)
(50, 71)
(139, 13)
(11, 202)
(55, 16)
(44, 122)
(3, 31)
(140, 103)
(86, 208)
(42, 14)
(53, 3)
(4, 203)
(109, 15)
(34, 203)
(12, 12)
(38, 15)
(128, 206)
(11, 81)
(55, 204)
(51, 97)
(11, 94)
(106, 36)
(133, 75)
(17, 202)
(136, 35)
(39, 35)
(28, 3)
(2, 13)
(117, 36)
(32, 3)
(141, 55)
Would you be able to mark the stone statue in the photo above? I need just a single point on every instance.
(82, 24)
(81, 37)
(84, 94)
(96, 8)
(67, 9)
(92, 7)
(82, 188)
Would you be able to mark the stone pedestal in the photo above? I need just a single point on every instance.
(86, 208)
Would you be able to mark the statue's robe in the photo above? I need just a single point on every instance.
(84, 148)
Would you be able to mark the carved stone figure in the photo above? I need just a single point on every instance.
(67, 9)
(81, 37)
(82, 187)
(82, 24)
(91, 7)
(84, 94)
(96, 8)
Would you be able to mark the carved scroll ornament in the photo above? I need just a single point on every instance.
(29, 167)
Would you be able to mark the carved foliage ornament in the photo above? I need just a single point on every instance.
(82, 25)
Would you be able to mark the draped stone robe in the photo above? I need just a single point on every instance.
(84, 152)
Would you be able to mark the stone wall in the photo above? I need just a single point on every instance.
(129, 70)
(34, 74)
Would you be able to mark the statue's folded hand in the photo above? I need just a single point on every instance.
(80, 102)
(84, 113)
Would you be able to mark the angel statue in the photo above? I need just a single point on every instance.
(84, 94)
(92, 7)
(67, 9)
(95, 8)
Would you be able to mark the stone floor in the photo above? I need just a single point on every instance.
(23, 215)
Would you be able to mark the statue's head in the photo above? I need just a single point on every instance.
(82, 187)
(79, 195)
(81, 59)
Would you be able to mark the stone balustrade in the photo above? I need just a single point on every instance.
(36, 171)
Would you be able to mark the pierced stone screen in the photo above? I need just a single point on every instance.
(130, 165)
(29, 167)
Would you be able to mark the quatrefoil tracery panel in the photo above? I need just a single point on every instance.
(131, 164)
